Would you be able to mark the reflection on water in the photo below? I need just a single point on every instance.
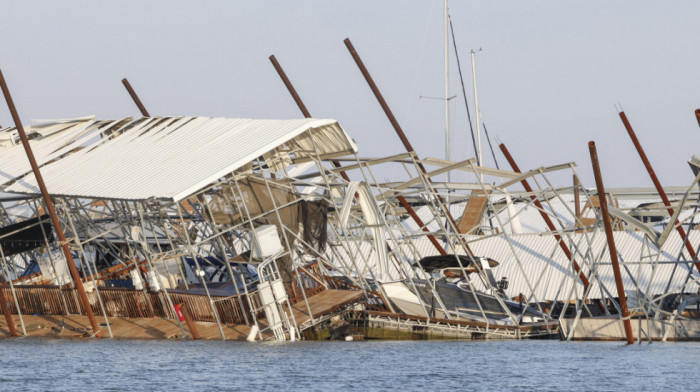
(42, 364)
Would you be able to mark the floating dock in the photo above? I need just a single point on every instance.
(612, 329)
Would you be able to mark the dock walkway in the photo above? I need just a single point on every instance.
(77, 326)
(322, 304)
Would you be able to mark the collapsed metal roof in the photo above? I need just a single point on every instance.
(161, 157)
(536, 265)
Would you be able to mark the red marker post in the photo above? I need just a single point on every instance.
(178, 311)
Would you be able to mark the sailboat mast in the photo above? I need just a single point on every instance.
(476, 108)
(447, 88)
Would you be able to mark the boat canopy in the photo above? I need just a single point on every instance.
(432, 263)
(166, 158)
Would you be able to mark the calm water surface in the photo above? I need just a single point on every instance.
(71, 365)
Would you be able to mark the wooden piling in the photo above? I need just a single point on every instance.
(50, 208)
(392, 119)
(300, 105)
(659, 188)
(611, 242)
(190, 324)
(135, 97)
(307, 114)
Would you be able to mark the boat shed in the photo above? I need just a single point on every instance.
(162, 157)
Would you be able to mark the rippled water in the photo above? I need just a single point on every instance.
(118, 365)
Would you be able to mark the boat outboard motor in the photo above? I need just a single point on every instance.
(502, 286)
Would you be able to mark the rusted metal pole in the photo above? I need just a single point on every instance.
(658, 187)
(289, 86)
(611, 242)
(8, 315)
(544, 215)
(301, 105)
(391, 117)
(50, 208)
(307, 114)
(381, 100)
(135, 97)
(190, 324)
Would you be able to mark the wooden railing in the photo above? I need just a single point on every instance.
(42, 300)
(123, 302)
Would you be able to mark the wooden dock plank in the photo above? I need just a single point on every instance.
(471, 217)
(76, 326)
(323, 303)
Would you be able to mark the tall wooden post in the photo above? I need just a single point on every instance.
(611, 242)
(8, 315)
(300, 104)
(190, 323)
(307, 114)
(135, 97)
(659, 188)
(392, 119)
(380, 98)
(50, 208)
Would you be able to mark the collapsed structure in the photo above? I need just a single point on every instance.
(280, 226)
(278, 229)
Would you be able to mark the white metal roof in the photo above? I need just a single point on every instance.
(531, 221)
(541, 259)
(14, 162)
(161, 157)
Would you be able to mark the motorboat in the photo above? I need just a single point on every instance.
(447, 294)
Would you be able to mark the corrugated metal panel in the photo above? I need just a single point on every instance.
(166, 157)
(14, 162)
(529, 216)
(542, 257)
(550, 274)
(530, 219)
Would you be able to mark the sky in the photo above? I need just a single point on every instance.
(549, 73)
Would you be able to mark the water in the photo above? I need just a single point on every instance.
(124, 365)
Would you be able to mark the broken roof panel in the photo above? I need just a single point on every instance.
(168, 157)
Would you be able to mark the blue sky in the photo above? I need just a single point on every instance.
(549, 74)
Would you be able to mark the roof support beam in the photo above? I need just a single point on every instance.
(531, 173)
